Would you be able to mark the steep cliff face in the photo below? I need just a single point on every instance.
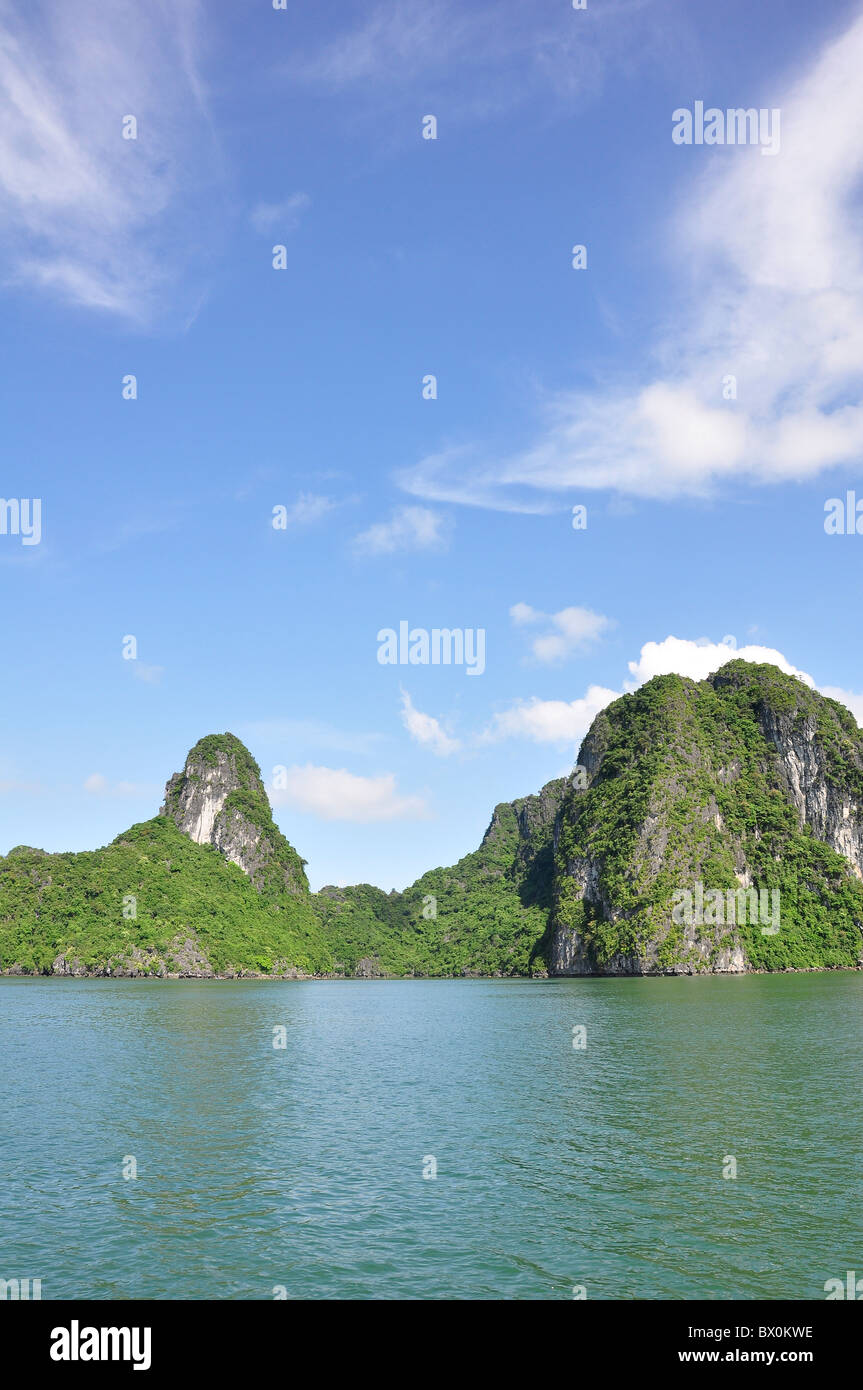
(534, 818)
(219, 799)
(831, 808)
(704, 800)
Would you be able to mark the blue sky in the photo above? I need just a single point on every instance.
(302, 388)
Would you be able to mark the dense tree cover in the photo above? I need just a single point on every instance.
(487, 915)
(692, 758)
(73, 905)
(686, 785)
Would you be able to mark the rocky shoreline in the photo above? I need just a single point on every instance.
(75, 970)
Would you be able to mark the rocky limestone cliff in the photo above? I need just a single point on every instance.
(744, 786)
(527, 827)
(535, 817)
(831, 808)
(749, 780)
(219, 799)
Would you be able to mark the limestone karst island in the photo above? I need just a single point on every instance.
(710, 827)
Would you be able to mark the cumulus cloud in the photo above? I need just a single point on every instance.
(425, 729)
(559, 721)
(550, 721)
(336, 794)
(567, 632)
(409, 528)
(773, 298)
(105, 222)
(699, 659)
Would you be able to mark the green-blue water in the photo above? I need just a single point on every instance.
(303, 1167)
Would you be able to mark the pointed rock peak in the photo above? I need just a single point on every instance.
(219, 799)
(216, 767)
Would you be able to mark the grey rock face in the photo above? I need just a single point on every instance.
(195, 800)
(812, 754)
(831, 812)
(701, 948)
(62, 966)
(369, 968)
(182, 959)
(219, 799)
(534, 814)
(535, 818)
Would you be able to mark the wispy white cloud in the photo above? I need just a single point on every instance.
(395, 40)
(150, 675)
(409, 528)
(99, 785)
(567, 632)
(283, 217)
(427, 730)
(105, 222)
(308, 508)
(773, 298)
(130, 531)
(480, 60)
(336, 794)
(310, 733)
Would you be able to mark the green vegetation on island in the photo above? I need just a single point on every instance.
(749, 780)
